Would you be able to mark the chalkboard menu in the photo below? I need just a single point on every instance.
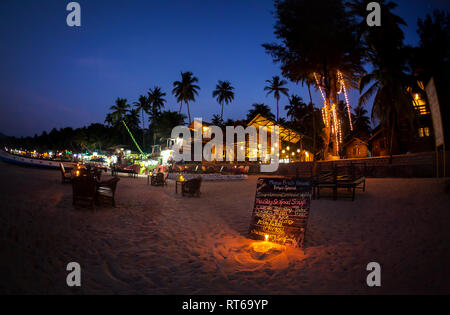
(281, 210)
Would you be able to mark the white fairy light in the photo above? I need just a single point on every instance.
(341, 78)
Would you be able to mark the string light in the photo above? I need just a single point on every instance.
(335, 125)
(320, 88)
(341, 78)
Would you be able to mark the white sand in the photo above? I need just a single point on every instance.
(157, 242)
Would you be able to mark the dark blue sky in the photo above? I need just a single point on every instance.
(52, 75)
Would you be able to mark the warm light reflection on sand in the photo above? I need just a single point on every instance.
(262, 247)
(238, 254)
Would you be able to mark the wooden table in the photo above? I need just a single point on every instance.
(181, 182)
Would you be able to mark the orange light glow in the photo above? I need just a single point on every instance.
(266, 237)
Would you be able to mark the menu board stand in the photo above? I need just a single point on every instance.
(281, 210)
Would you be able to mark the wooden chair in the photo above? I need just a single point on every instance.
(158, 179)
(84, 188)
(66, 177)
(96, 173)
(191, 187)
(106, 190)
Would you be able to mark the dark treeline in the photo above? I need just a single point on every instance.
(313, 39)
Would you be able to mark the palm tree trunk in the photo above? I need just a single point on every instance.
(314, 119)
(221, 113)
(277, 110)
(391, 142)
(189, 113)
(143, 130)
(181, 105)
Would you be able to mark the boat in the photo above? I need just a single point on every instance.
(35, 162)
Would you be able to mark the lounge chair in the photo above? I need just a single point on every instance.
(339, 177)
(348, 177)
(191, 187)
(117, 169)
(66, 177)
(84, 189)
(106, 190)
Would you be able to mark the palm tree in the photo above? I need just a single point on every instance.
(119, 111)
(329, 49)
(143, 106)
(156, 103)
(217, 120)
(276, 86)
(389, 80)
(361, 123)
(223, 94)
(261, 109)
(167, 120)
(297, 109)
(118, 114)
(392, 102)
(186, 90)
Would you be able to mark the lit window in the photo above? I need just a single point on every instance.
(424, 132)
(420, 105)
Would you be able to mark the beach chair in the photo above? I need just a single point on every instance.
(348, 177)
(84, 189)
(344, 176)
(106, 190)
(191, 187)
(325, 178)
(66, 177)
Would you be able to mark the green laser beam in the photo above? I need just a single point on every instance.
(137, 145)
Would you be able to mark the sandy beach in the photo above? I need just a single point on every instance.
(157, 242)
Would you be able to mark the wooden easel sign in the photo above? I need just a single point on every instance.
(281, 210)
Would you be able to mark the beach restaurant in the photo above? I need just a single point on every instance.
(292, 145)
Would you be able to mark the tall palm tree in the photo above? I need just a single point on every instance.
(309, 53)
(143, 106)
(276, 86)
(223, 94)
(392, 102)
(156, 103)
(186, 90)
(389, 79)
(132, 119)
(118, 114)
(119, 111)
